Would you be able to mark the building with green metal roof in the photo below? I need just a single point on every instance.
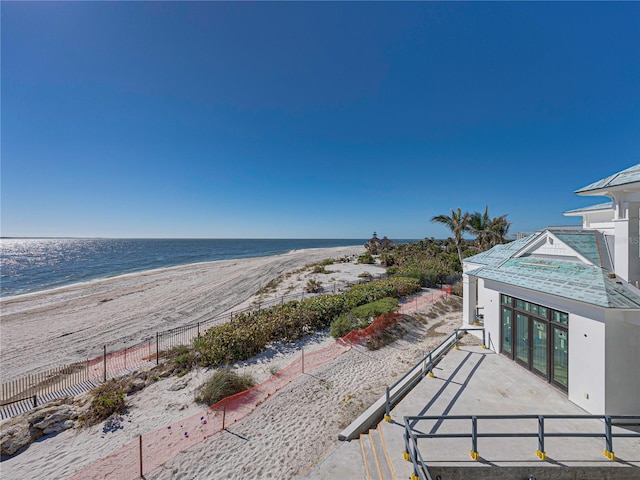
(565, 303)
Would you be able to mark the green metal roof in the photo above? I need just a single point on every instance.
(500, 253)
(571, 280)
(630, 175)
(592, 208)
(563, 277)
(585, 242)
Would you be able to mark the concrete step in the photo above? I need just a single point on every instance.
(370, 463)
(392, 433)
(381, 454)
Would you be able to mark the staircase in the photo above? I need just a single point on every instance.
(378, 465)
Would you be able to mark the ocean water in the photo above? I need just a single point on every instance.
(35, 264)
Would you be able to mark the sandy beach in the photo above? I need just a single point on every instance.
(284, 436)
(56, 327)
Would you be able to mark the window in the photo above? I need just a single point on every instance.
(536, 337)
(560, 317)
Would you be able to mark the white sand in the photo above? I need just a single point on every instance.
(280, 439)
(49, 329)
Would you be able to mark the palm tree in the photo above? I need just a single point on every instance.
(498, 228)
(489, 231)
(458, 223)
(479, 226)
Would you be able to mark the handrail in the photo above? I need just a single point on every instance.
(427, 362)
(411, 436)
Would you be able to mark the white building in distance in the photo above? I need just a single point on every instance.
(565, 303)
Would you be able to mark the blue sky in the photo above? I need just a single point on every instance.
(310, 120)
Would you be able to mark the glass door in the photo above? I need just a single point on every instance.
(539, 347)
(522, 338)
(507, 336)
(560, 367)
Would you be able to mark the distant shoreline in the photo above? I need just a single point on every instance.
(151, 271)
(32, 265)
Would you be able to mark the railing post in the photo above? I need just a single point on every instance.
(430, 374)
(302, 359)
(157, 348)
(414, 457)
(484, 343)
(608, 451)
(456, 345)
(104, 364)
(387, 416)
(540, 453)
(35, 400)
(474, 438)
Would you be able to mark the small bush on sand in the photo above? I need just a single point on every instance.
(222, 384)
(182, 358)
(381, 339)
(321, 269)
(313, 286)
(108, 399)
(366, 258)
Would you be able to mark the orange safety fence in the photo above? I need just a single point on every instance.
(145, 453)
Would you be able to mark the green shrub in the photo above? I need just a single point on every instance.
(313, 286)
(361, 316)
(374, 309)
(344, 324)
(366, 258)
(222, 384)
(181, 357)
(108, 399)
(320, 269)
(248, 334)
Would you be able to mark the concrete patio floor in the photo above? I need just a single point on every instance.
(475, 381)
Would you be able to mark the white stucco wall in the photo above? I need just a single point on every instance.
(587, 360)
(622, 363)
(601, 220)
